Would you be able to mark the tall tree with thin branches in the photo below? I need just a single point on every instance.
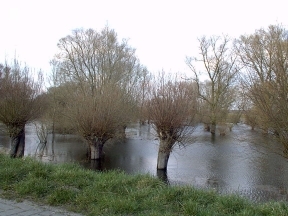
(219, 65)
(264, 58)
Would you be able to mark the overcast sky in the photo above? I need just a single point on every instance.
(163, 32)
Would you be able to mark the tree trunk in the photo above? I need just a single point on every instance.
(162, 175)
(96, 149)
(162, 161)
(17, 142)
(163, 154)
(96, 165)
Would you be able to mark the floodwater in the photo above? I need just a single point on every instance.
(245, 162)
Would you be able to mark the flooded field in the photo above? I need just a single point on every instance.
(244, 161)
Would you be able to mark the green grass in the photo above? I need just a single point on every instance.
(115, 193)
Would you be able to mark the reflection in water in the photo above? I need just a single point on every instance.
(244, 161)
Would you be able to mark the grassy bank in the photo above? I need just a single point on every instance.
(115, 193)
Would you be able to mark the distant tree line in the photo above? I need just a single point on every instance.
(98, 87)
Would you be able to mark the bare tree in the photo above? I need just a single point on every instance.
(98, 118)
(264, 56)
(219, 65)
(102, 77)
(20, 103)
(171, 109)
